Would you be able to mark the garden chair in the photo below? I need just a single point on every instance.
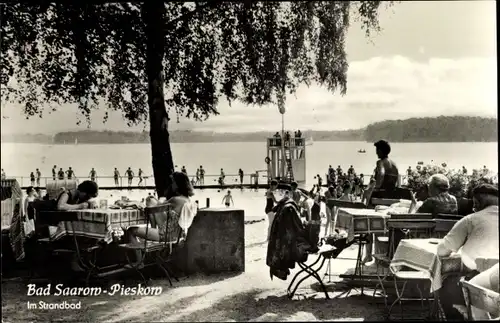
(159, 251)
(482, 298)
(85, 255)
(407, 227)
(443, 226)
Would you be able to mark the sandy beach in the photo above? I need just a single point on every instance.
(248, 296)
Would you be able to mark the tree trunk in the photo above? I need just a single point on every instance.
(153, 15)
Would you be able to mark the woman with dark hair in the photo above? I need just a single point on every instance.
(386, 171)
(78, 198)
(182, 208)
(386, 179)
(29, 224)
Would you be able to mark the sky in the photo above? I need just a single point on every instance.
(431, 58)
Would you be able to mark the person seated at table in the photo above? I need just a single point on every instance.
(182, 208)
(439, 199)
(78, 199)
(476, 236)
(487, 279)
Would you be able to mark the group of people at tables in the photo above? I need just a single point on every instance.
(474, 236)
(84, 197)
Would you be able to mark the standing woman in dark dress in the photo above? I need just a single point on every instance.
(270, 202)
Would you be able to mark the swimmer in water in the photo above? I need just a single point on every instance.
(130, 176)
(228, 199)
(38, 176)
(140, 173)
(60, 174)
(116, 175)
(70, 173)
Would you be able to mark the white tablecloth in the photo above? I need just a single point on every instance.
(356, 221)
(421, 255)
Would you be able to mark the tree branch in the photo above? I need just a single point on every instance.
(198, 9)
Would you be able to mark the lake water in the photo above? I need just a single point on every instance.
(21, 159)
(18, 160)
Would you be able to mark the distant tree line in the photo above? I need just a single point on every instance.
(440, 129)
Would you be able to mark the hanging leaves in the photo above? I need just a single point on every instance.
(94, 56)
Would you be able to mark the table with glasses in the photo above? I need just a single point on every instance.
(95, 223)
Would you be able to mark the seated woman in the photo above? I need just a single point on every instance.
(182, 208)
(79, 198)
(439, 199)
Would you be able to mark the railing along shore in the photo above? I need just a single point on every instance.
(123, 181)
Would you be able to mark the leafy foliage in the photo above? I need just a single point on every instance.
(461, 185)
(93, 54)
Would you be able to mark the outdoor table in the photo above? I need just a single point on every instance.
(361, 222)
(421, 255)
(95, 223)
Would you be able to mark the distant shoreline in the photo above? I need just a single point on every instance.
(239, 141)
(415, 130)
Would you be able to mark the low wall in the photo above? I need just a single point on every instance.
(215, 242)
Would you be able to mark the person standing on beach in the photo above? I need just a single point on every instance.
(32, 179)
(116, 175)
(139, 174)
(60, 174)
(197, 176)
(202, 175)
(240, 172)
(130, 175)
(3, 174)
(93, 174)
(54, 172)
(270, 202)
(228, 199)
(38, 176)
(70, 173)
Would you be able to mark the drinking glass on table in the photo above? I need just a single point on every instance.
(92, 204)
(103, 204)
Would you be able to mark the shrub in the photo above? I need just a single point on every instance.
(461, 185)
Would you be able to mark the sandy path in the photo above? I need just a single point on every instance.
(248, 296)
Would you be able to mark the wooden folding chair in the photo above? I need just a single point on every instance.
(480, 297)
(161, 251)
